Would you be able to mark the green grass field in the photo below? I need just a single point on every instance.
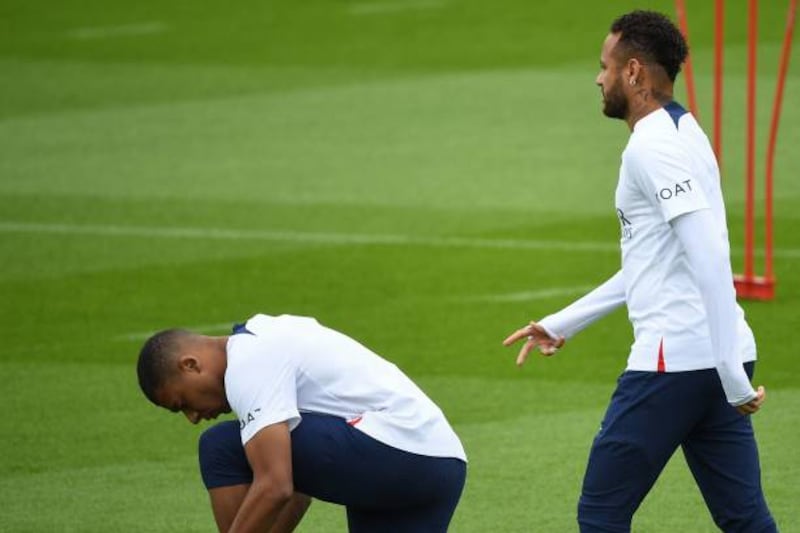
(425, 175)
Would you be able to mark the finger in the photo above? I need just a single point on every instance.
(514, 337)
(547, 350)
(525, 351)
(551, 346)
(761, 396)
(752, 406)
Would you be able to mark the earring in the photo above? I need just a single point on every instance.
(633, 82)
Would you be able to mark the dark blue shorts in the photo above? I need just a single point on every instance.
(384, 489)
(650, 415)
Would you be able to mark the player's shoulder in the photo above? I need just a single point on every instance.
(645, 148)
(268, 326)
(264, 333)
(660, 124)
(670, 125)
(654, 137)
(251, 356)
(243, 349)
(251, 338)
(283, 320)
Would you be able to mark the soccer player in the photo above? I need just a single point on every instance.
(320, 416)
(687, 381)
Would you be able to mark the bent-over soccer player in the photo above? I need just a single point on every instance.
(687, 382)
(320, 416)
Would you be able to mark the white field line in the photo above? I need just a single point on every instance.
(378, 8)
(204, 328)
(332, 239)
(104, 32)
(336, 239)
(524, 296)
(527, 296)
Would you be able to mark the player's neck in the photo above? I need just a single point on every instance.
(645, 101)
(220, 353)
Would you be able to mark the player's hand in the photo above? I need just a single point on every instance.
(755, 404)
(534, 335)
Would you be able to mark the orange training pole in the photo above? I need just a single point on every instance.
(680, 9)
(719, 43)
(752, 36)
(773, 133)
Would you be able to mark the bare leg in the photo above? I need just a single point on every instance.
(225, 502)
(292, 513)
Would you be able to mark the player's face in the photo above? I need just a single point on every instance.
(195, 393)
(615, 102)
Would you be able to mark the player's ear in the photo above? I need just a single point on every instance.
(188, 363)
(634, 70)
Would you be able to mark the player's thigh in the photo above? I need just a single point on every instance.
(224, 470)
(338, 463)
(721, 452)
(647, 418)
(222, 459)
(335, 462)
(723, 456)
(725, 464)
(424, 519)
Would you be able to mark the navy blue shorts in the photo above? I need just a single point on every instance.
(384, 489)
(650, 415)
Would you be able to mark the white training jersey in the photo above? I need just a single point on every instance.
(668, 169)
(281, 367)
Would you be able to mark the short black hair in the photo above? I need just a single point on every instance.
(155, 358)
(653, 35)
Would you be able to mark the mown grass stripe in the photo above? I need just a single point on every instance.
(378, 8)
(124, 30)
(324, 238)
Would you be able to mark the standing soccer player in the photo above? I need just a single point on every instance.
(687, 381)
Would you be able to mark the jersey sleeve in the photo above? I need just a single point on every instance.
(584, 311)
(260, 383)
(712, 271)
(662, 169)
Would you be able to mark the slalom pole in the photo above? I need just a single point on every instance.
(719, 43)
(680, 9)
(752, 35)
(773, 133)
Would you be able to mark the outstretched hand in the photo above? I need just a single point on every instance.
(535, 335)
(755, 404)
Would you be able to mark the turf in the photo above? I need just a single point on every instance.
(424, 175)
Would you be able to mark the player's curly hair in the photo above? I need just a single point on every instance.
(155, 358)
(653, 36)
